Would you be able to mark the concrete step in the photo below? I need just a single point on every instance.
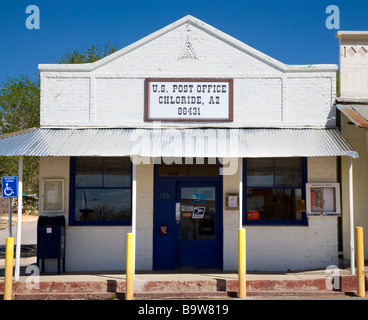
(149, 289)
(66, 296)
(175, 286)
(188, 295)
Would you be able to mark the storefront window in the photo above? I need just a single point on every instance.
(275, 190)
(101, 190)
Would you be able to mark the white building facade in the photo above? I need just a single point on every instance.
(149, 114)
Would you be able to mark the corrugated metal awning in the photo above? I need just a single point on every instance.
(356, 113)
(219, 142)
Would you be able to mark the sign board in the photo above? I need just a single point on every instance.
(10, 187)
(232, 201)
(188, 100)
(323, 199)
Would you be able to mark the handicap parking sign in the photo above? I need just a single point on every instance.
(10, 187)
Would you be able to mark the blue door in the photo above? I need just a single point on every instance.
(198, 224)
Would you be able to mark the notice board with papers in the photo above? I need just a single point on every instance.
(323, 199)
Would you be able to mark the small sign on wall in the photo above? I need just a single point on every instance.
(232, 201)
(323, 199)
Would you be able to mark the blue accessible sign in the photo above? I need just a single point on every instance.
(10, 187)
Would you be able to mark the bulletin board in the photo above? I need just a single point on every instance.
(232, 201)
(323, 199)
(53, 195)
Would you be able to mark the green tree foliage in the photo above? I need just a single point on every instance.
(20, 104)
(91, 54)
(20, 109)
(338, 83)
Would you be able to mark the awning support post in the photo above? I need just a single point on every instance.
(130, 239)
(129, 279)
(241, 194)
(134, 206)
(351, 217)
(19, 222)
(241, 240)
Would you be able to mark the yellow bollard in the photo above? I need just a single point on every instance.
(242, 263)
(129, 267)
(8, 276)
(359, 245)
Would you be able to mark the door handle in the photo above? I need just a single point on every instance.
(177, 212)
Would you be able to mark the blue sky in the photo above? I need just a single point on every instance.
(292, 32)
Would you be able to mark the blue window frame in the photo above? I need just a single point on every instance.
(100, 191)
(274, 190)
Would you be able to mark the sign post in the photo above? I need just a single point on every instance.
(9, 190)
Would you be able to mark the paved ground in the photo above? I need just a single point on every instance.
(29, 239)
(29, 228)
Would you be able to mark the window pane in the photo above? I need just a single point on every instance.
(118, 179)
(260, 164)
(117, 164)
(294, 164)
(274, 204)
(89, 164)
(288, 172)
(288, 179)
(260, 172)
(88, 179)
(102, 204)
(260, 179)
(204, 199)
(117, 172)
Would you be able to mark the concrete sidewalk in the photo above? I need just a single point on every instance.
(178, 284)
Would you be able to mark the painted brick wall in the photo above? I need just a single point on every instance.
(112, 95)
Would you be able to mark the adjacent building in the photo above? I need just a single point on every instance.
(353, 120)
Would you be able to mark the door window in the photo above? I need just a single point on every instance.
(198, 212)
